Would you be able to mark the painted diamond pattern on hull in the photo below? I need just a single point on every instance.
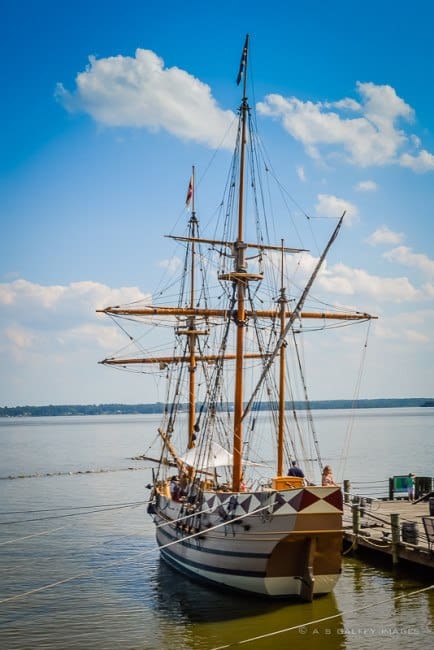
(210, 502)
(279, 502)
(285, 502)
(245, 504)
(303, 500)
(335, 499)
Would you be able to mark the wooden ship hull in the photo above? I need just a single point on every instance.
(269, 543)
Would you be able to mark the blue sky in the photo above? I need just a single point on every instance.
(94, 168)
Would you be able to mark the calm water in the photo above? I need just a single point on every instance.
(53, 528)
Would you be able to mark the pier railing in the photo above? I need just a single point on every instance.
(392, 526)
(395, 487)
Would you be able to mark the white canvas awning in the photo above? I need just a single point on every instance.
(214, 456)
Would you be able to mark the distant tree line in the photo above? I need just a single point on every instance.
(158, 407)
(79, 409)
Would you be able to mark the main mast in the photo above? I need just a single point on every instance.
(240, 269)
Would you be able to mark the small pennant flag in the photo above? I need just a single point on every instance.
(243, 61)
(189, 192)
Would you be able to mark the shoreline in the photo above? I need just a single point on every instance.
(52, 410)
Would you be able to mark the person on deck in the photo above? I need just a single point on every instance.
(174, 488)
(411, 489)
(294, 470)
(327, 477)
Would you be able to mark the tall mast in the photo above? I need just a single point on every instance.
(283, 301)
(192, 326)
(240, 268)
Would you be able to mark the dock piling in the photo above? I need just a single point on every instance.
(394, 524)
(356, 523)
(347, 490)
(391, 488)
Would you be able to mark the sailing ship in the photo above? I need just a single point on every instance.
(224, 509)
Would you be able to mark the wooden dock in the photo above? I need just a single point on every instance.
(392, 530)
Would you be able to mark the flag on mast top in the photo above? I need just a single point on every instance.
(243, 60)
(189, 192)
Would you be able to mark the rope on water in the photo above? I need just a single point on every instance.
(73, 514)
(321, 620)
(44, 532)
(96, 505)
(85, 574)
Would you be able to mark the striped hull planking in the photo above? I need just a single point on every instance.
(271, 543)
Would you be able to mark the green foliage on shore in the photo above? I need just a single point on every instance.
(158, 407)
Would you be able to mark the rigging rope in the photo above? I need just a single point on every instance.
(308, 407)
(293, 316)
(350, 427)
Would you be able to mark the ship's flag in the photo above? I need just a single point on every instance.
(243, 61)
(189, 192)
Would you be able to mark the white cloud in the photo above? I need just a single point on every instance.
(369, 136)
(384, 235)
(346, 104)
(383, 331)
(301, 173)
(28, 307)
(105, 337)
(51, 340)
(140, 92)
(404, 255)
(366, 186)
(46, 297)
(416, 337)
(410, 327)
(172, 265)
(422, 162)
(345, 280)
(20, 337)
(332, 206)
(428, 288)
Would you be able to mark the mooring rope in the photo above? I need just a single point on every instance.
(74, 514)
(44, 532)
(321, 620)
(85, 574)
(57, 508)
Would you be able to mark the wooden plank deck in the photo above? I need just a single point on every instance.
(375, 534)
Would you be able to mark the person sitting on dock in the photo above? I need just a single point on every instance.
(411, 487)
(294, 470)
(327, 477)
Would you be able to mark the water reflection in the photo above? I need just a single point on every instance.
(197, 603)
(378, 606)
(215, 618)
